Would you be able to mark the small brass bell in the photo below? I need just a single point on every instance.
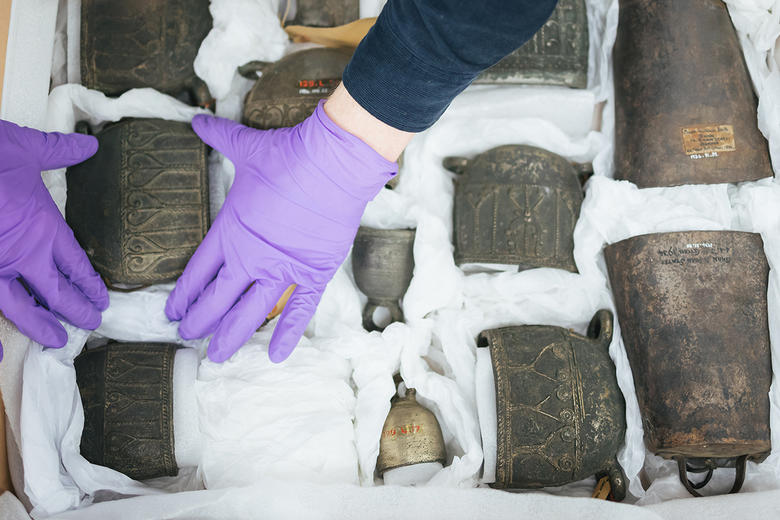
(411, 436)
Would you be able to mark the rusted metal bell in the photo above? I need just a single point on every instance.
(127, 393)
(149, 43)
(411, 435)
(288, 90)
(685, 112)
(140, 206)
(556, 55)
(516, 204)
(692, 308)
(325, 13)
(383, 263)
(561, 415)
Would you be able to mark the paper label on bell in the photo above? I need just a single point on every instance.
(708, 141)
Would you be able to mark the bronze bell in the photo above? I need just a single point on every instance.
(561, 415)
(152, 43)
(325, 13)
(516, 204)
(383, 264)
(288, 90)
(685, 112)
(140, 206)
(127, 393)
(411, 435)
(693, 312)
(556, 55)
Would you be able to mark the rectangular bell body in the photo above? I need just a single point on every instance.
(693, 314)
(140, 206)
(685, 112)
(556, 55)
(141, 43)
(127, 393)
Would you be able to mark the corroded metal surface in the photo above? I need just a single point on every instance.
(325, 13)
(561, 415)
(127, 393)
(516, 205)
(288, 90)
(383, 263)
(685, 112)
(693, 313)
(139, 207)
(143, 43)
(411, 435)
(556, 55)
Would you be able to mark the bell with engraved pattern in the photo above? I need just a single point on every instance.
(693, 313)
(140, 206)
(515, 205)
(685, 112)
(556, 55)
(290, 89)
(411, 436)
(150, 43)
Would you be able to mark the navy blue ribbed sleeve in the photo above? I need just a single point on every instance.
(420, 54)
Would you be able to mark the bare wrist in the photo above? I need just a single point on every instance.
(388, 142)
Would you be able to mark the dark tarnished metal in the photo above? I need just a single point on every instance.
(685, 112)
(692, 308)
(561, 415)
(556, 55)
(289, 89)
(143, 43)
(127, 393)
(411, 435)
(139, 206)
(516, 204)
(383, 263)
(325, 13)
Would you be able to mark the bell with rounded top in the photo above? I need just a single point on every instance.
(152, 43)
(693, 313)
(515, 204)
(290, 89)
(411, 436)
(685, 112)
(560, 413)
(325, 13)
(383, 264)
(556, 55)
(140, 206)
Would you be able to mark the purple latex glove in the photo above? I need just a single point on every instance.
(37, 248)
(290, 218)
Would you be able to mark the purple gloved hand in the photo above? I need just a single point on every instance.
(44, 273)
(290, 218)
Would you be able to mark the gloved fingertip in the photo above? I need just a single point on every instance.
(53, 336)
(278, 352)
(218, 354)
(171, 312)
(186, 332)
(200, 122)
(89, 144)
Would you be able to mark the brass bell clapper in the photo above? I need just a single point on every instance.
(411, 448)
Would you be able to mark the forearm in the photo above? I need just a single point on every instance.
(389, 142)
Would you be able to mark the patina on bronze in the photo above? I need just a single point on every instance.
(288, 90)
(140, 206)
(127, 394)
(516, 204)
(693, 312)
(383, 263)
(685, 112)
(556, 55)
(325, 13)
(411, 435)
(561, 415)
(148, 43)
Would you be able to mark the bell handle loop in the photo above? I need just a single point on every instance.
(395, 312)
(83, 127)
(456, 165)
(601, 327)
(250, 69)
(739, 479)
(368, 317)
